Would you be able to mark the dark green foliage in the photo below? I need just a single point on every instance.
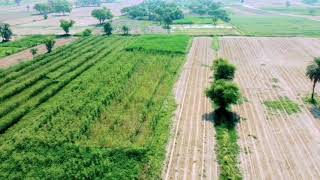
(213, 9)
(66, 25)
(223, 94)
(86, 33)
(60, 6)
(49, 43)
(5, 32)
(102, 14)
(313, 73)
(125, 30)
(42, 8)
(154, 10)
(107, 28)
(223, 70)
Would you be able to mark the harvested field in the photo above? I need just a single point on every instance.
(275, 144)
(191, 153)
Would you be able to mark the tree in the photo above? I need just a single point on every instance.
(223, 94)
(288, 4)
(43, 9)
(61, 6)
(5, 32)
(223, 70)
(102, 14)
(33, 51)
(313, 73)
(49, 43)
(108, 28)
(17, 2)
(167, 21)
(125, 30)
(214, 20)
(66, 25)
(86, 33)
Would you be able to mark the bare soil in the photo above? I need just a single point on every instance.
(26, 23)
(26, 54)
(191, 153)
(274, 144)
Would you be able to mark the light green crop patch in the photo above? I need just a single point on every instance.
(284, 105)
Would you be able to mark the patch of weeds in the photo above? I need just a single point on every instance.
(274, 80)
(227, 147)
(284, 105)
(247, 150)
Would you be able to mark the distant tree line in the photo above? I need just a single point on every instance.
(309, 1)
(209, 8)
(53, 6)
(154, 10)
(88, 3)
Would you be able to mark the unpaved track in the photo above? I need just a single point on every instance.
(275, 145)
(26, 55)
(191, 152)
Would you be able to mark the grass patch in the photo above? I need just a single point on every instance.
(215, 43)
(227, 153)
(193, 20)
(161, 43)
(13, 47)
(295, 10)
(284, 105)
(262, 25)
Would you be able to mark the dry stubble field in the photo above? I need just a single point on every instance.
(275, 144)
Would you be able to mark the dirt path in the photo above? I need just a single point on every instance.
(26, 55)
(191, 154)
(275, 144)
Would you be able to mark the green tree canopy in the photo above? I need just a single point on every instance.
(102, 14)
(5, 32)
(223, 70)
(42, 8)
(313, 73)
(154, 10)
(61, 6)
(223, 94)
(66, 25)
(49, 43)
(107, 28)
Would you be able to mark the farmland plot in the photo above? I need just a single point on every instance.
(277, 141)
(191, 153)
(100, 107)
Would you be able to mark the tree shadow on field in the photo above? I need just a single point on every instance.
(222, 117)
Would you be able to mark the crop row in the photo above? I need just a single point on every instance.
(27, 80)
(61, 79)
(29, 66)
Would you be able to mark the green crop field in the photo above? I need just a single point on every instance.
(194, 20)
(99, 107)
(12, 47)
(265, 25)
(296, 10)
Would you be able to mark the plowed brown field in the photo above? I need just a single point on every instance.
(191, 153)
(275, 144)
